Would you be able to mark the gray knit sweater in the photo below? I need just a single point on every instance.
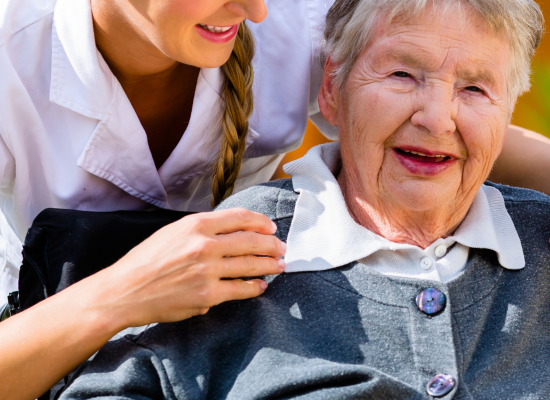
(350, 332)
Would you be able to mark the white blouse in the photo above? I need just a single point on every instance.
(69, 137)
(323, 235)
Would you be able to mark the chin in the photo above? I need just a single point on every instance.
(422, 196)
(211, 59)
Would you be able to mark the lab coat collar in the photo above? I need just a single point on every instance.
(200, 143)
(81, 79)
(323, 231)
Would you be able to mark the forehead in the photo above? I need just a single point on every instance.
(456, 39)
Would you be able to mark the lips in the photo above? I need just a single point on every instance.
(217, 34)
(215, 29)
(422, 162)
(418, 156)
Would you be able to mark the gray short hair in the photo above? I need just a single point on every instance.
(350, 24)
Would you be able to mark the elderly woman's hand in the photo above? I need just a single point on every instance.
(178, 272)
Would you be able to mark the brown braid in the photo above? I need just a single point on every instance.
(239, 103)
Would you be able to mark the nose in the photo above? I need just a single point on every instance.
(253, 10)
(436, 111)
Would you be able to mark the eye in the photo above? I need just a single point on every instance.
(402, 74)
(474, 89)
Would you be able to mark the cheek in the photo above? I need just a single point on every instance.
(368, 119)
(173, 20)
(175, 23)
(483, 133)
(375, 112)
(167, 23)
(190, 11)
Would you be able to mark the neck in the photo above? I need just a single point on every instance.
(396, 223)
(131, 56)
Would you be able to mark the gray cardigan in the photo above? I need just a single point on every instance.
(350, 332)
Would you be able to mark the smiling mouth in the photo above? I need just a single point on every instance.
(215, 29)
(432, 159)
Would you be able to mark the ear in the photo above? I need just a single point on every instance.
(328, 95)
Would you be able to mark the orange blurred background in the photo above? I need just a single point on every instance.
(532, 111)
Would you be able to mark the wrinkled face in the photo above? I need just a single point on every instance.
(423, 114)
(194, 32)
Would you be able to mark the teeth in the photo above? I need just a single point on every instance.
(422, 154)
(215, 29)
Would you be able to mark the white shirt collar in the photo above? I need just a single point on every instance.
(323, 235)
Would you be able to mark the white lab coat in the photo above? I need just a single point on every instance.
(69, 137)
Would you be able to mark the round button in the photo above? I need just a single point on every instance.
(440, 250)
(426, 263)
(440, 385)
(430, 301)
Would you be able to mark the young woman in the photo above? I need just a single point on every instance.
(132, 104)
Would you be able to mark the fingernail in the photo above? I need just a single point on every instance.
(263, 285)
(274, 225)
(281, 263)
(284, 246)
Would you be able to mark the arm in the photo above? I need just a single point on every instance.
(173, 275)
(524, 161)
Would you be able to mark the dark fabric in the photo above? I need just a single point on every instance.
(350, 332)
(64, 246)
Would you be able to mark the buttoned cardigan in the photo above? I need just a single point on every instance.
(350, 332)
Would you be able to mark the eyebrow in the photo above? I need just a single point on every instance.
(470, 75)
(481, 75)
(406, 58)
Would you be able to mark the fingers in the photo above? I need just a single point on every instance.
(237, 267)
(236, 219)
(244, 243)
(240, 290)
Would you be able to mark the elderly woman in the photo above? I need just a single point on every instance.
(406, 276)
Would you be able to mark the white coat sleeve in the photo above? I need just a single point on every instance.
(7, 161)
(10, 259)
(10, 245)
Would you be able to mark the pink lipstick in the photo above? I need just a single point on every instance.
(217, 34)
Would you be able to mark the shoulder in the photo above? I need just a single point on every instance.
(16, 15)
(530, 212)
(274, 199)
(515, 195)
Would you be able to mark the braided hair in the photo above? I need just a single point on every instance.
(239, 103)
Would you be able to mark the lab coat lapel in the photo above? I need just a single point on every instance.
(200, 143)
(117, 150)
(81, 80)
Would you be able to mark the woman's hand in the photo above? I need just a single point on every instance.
(177, 273)
(173, 275)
